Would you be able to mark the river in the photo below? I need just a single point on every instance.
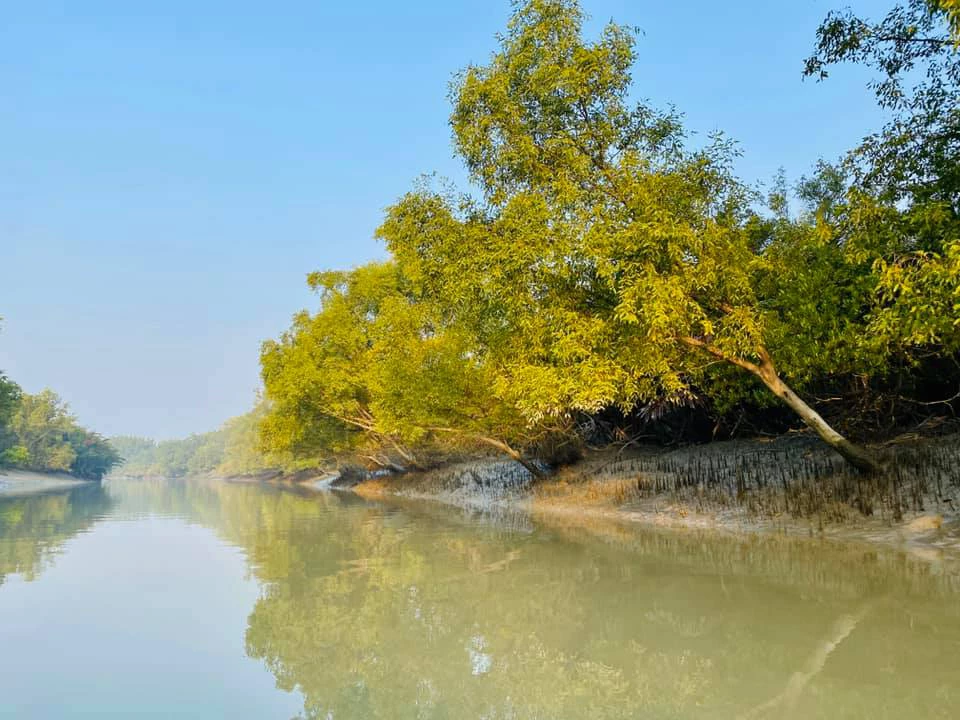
(203, 599)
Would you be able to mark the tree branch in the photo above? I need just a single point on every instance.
(909, 39)
(717, 353)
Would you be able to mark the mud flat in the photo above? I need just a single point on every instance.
(791, 486)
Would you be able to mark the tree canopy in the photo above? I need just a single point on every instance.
(39, 433)
(380, 371)
(903, 198)
(602, 260)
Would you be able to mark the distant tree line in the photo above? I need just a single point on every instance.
(230, 450)
(606, 273)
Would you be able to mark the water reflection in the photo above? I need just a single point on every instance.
(408, 617)
(34, 528)
(415, 611)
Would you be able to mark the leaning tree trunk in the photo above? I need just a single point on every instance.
(514, 455)
(859, 457)
(511, 452)
(386, 463)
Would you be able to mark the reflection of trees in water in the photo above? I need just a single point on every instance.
(841, 569)
(414, 612)
(394, 619)
(34, 528)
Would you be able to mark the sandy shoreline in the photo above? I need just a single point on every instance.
(22, 482)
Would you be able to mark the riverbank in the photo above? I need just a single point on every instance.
(23, 482)
(790, 486)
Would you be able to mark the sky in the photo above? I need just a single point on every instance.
(169, 175)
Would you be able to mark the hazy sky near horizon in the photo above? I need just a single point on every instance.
(169, 175)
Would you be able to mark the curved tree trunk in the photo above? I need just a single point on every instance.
(404, 453)
(859, 457)
(386, 463)
(500, 445)
(514, 455)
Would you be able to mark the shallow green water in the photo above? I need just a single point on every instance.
(210, 600)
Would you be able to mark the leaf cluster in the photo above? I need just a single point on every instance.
(610, 262)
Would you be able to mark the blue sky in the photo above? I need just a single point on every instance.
(169, 176)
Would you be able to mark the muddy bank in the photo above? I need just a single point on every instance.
(22, 482)
(791, 486)
(309, 478)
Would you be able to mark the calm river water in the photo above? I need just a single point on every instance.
(211, 600)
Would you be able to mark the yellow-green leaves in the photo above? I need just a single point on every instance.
(605, 264)
(381, 371)
(919, 299)
(952, 8)
(37, 432)
(602, 240)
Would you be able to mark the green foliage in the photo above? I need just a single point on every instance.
(913, 158)
(42, 435)
(313, 375)
(194, 455)
(94, 455)
(952, 10)
(381, 373)
(10, 394)
(43, 425)
(135, 453)
(603, 243)
(241, 443)
(15, 456)
(608, 263)
(231, 450)
(38, 433)
(901, 210)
